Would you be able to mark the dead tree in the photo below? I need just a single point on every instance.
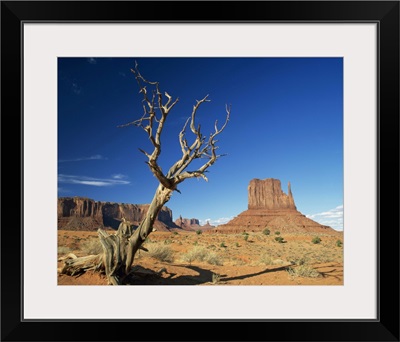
(121, 247)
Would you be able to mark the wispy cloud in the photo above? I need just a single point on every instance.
(332, 217)
(83, 180)
(216, 222)
(92, 60)
(119, 176)
(94, 157)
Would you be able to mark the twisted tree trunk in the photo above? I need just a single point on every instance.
(119, 249)
(136, 240)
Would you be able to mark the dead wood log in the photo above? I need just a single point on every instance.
(74, 266)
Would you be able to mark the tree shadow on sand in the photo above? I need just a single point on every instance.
(336, 273)
(245, 276)
(143, 276)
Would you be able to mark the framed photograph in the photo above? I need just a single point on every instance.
(303, 98)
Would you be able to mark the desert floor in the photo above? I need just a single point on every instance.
(188, 258)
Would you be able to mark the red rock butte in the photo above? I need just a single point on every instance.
(268, 194)
(81, 213)
(269, 207)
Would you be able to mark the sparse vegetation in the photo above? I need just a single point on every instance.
(236, 261)
(214, 259)
(198, 232)
(266, 231)
(305, 271)
(63, 250)
(202, 254)
(298, 260)
(161, 252)
(266, 259)
(316, 240)
(245, 236)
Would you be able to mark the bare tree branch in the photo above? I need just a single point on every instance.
(199, 149)
(151, 124)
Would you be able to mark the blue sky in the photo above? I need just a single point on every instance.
(286, 123)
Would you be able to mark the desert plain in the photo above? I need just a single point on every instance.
(212, 258)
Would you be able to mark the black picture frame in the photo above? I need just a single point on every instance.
(384, 13)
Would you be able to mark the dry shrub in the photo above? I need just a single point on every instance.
(214, 259)
(298, 260)
(199, 253)
(239, 261)
(266, 259)
(161, 252)
(325, 258)
(63, 250)
(92, 247)
(305, 271)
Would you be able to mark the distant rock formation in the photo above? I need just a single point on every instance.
(79, 213)
(267, 194)
(187, 224)
(269, 207)
(192, 224)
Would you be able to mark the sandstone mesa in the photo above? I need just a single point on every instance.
(268, 207)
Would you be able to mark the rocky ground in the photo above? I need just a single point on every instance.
(188, 258)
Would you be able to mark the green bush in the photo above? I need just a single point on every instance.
(339, 243)
(316, 240)
(266, 231)
(246, 236)
(198, 232)
(277, 233)
(222, 245)
(280, 239)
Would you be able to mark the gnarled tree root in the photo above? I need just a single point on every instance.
(112, 261)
